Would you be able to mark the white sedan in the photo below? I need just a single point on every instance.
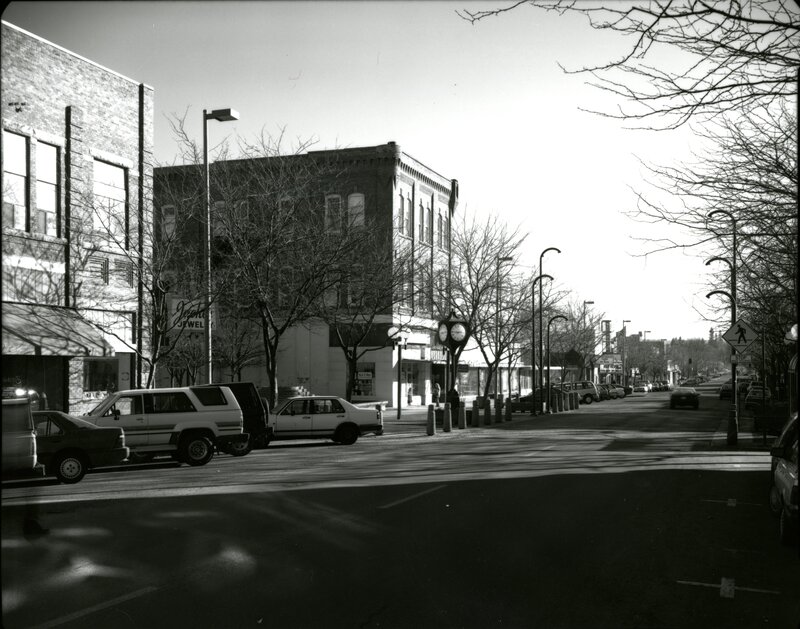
(324, 417)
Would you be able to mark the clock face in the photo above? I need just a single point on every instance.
(443, 333)
(458, 332)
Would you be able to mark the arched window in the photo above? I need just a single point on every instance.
(439, 230)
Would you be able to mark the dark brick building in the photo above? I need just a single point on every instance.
(392, 192)
(77, 176)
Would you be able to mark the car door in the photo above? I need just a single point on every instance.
(294, 420)
(328, 414)
(127, 413)
(49, 436)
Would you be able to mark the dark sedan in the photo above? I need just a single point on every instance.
(684, 396)
(68, 446)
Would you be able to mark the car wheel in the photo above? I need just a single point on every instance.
(587, 399)
(70, 467)
(788, 532)
(241, 448)
(347, 435)
(196, 450)
(775, 502)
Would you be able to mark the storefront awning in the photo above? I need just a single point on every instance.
(35, 330)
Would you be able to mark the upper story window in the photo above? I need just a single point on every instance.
(429, 235)
(47, 189)
(355, 210)
(168, 221)
(15, 180)
(421, 220)
(401, 210)
(409, 217)
(439, 230)
(333, 213)
(111, 202)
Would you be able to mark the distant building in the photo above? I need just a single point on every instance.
(77, 169)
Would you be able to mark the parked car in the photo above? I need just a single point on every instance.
(586, 390)
(684, 396)
(19, 437)
(602, 390)
(615, 391)
(783, 493)
(726, 390)
(628, 389)
(742, 384)
(324, 417)
(784, 437)
(639, 387)
(758, 398)
(186, 423)
(69, 446)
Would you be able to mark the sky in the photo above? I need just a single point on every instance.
(486, 104)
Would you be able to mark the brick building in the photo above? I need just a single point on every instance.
(393, 192)
(77, 172)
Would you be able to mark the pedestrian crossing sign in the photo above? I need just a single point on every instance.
(740, 336)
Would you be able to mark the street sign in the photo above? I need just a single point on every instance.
(740, 336)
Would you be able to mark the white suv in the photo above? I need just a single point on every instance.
(185, 422)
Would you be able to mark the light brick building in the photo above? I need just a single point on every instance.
(77, 175)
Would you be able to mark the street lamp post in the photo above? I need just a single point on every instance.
(399, 337)
(733, 416)
(554, 318)
(624, 334)
(583, 329)
(221, 115)
(541, 256)
(533, 339)
(497, 325)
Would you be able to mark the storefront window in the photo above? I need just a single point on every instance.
(364, 385)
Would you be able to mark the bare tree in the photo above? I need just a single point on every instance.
(372, 283)
(478, 250)
(734, 54)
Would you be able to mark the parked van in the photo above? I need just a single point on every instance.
(19, 437)
(586, 390)
(185, 422)
(254, 415)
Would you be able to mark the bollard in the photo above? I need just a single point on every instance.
(508, 409)
(462, 416)
(553, 406)
(561, 402)
(431, 421)
(447, 423)
(487, 413)
(476, 416)
(498, 410)
(570, 402)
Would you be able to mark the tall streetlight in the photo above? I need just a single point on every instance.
(221, 115)
(583, 329)
(533, 339)
(497, 323)
(541, 256)
(624, 334)
(556, 317)
(733, 416)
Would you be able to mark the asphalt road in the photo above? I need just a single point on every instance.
(620, 514)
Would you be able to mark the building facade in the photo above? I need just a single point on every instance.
(77, 178)
(389, 191)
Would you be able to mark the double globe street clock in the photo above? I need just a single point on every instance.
(453, 334)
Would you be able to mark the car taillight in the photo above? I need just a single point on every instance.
(120, 441)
